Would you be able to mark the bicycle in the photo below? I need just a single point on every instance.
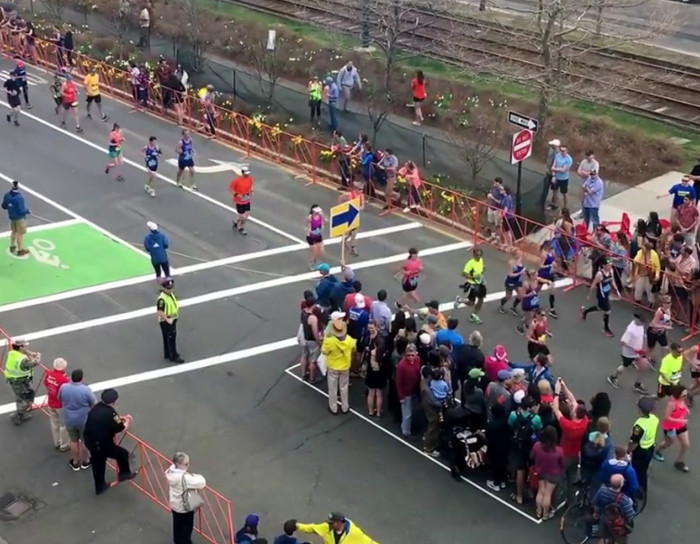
(576, 524)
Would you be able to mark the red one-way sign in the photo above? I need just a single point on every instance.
(521, 146)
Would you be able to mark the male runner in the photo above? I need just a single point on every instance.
(151, 153)
(185, 158)
(241, 189)
(474, 286)
(602, 284)
(20, 72)
(92, 90)
(13, 88)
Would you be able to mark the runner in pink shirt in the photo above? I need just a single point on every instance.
(410, 275)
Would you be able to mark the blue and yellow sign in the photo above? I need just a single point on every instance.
(344, 218)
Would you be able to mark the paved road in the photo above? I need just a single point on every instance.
(262, 438)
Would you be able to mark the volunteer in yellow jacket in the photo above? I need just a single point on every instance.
(337, 530)
(337, 348)
(92, 90)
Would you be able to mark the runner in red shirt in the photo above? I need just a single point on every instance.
(69, 102)
(241, 190)
(572, 432)
(53, 380)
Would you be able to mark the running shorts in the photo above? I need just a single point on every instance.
(243, 208)
(185, 163)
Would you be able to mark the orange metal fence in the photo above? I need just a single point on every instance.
(213, 521)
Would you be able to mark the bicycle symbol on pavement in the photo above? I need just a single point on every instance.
(42, 251)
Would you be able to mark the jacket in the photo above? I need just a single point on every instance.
(352, 534)
(620, 466)
(242, 537)
(340, 290)
(286, 539)
(532, 375)
(175, 481)
(324, 289)
(338, 352)
(407, 378)
(156, 245)
(13, 202)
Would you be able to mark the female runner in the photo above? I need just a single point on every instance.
(530, 300)
(410, 276)
(675, 426)
(514, 280)
(314, 235)
(658, 328)
(537, 334)
(116, 139)
(545, 274)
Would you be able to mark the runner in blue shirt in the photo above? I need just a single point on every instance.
(185, 158)
(151, 153)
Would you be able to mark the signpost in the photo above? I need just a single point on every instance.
(520, 149)
(344, 218)
(523, 121)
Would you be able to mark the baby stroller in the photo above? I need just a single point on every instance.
(463, 441)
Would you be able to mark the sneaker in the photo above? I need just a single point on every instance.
(63, 449)
(639, 388)
(457, 302)
(74, 466)
(194, 188)
(86, 465)
(9, 119)
(614, 381)
(433, 453)
(520, 329)
(63, 124)
(475, 319)
(582, 313)
(105, 117)
(16, 123)
(89, 116)
(502, 309)
(29, 106)
(515, 312)
(22, 252)
(659, 456)
(107, 169)
(553, 313)
(503, 485)
(492, 485)
(608, 333)
(78, 129)
(242, 231)
(681, 466)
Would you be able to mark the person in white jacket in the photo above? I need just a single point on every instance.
(348, 79)
(180, 481)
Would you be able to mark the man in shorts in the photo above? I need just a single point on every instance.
(17, 212)
(241, 190)
(670, 370)
(561, 166)
(633, 342)
(13, 87)
(77, 400)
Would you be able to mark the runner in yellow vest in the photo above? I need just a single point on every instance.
(168, 309)
(315, 98)
(19, 372)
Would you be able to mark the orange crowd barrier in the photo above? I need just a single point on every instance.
(213, 521)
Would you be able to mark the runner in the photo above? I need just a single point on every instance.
(545, 274)
(115, 151)
(660, 324)
(69, 102)
(56, 87)
(602, 284)
(474, 286)
(670, 371)
(514, 280)
(530, 300)
(314, 235)
(12, 88)
(151, 153)
(675, 426)
(21, 74)
(356, 193)
(633, 342)
(185, 158)
(537, 334)
(241, 188)
(692, 355)
(91, 82)
(410, 275)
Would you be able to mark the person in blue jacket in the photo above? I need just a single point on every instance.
(248, 534)
(288, 536)
(341, 289)
(535, 371)
(156, 245)
(17, 212)
(620, 464)
(325, 286)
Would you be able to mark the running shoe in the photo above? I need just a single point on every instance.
(608, 333)
(89, 116)
(659, 457)
(457, 302)
(242, 232)
(86, 465)
(9, 119)
(502, 309)
(680, 465)
(515, 312)
(553, 313)
(639, 388)
(614, 381)
(582, 313)
(74, 466)
(520, 329)
(492, 485)
(475, 319)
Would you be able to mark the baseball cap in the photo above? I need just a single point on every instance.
(168, 283)
(109, 396)
(499, 352)
(324, 268)
(476, 373)
(432, 319)
(245, 170)
(503, 375)
(555, 142)
(424, 338)
(337, 315)
(646, 405)
(252, 520)
(360, 301)
(518, 396)
(336, 516)
(19, 342)
(152, 225)
(348, 274)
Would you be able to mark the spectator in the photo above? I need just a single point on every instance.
(337, 530)
(614, 510)
(342, 289)
(561, 167)
(409, 171)
(357, 317)
(549, 175)
(288, 536)
(680, 191)
(572, 432)
(493, 364)
(348, 78)
(156, 245)
(686, 215)
(53, 380)
(388, 165)
(17, 212)
(468, 356)
(373, 346)
(248, 534)
(184, 497)
(493, 214)
(653, 229)
(449, 335)
(380, 313)
(144, 27)
(433, 308)
(432, 410)
(325, 286)
(497, 394)
(646, 271)
(548, 462)
(338, 349)
(510, 230)
(619, 464)
(408, 378)
(418, 85)
(600, 407)
(525, 425)
(593, 189)
(586, 166)
(498, 437)
(332, 93)
(535, 371)
(77, 400)
(597, 448)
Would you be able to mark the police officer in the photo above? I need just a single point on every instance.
(19, 372)
(168, 312)
(642, 442)
(315, 97)
(102, 425)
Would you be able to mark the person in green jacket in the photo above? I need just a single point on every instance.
(337, 530)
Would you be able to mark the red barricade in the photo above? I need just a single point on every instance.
(213, 521)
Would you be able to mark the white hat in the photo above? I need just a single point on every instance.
(337, 315)
(59, 363)
(425, 338)
(518, 396)
(245, 170)
(152, 225)
(555, 142)
(359, 300)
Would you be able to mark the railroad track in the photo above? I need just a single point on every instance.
(655, 88)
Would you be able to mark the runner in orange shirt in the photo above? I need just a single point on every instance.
(241, 189)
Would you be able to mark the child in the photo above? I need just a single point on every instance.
(440, 390)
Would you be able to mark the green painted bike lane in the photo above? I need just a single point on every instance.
(63, 259)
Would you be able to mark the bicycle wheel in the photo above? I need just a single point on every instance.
(574, 524)
(640, 502)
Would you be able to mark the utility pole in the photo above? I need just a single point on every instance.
(364, 27)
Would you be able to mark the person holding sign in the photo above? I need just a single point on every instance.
(350, 238)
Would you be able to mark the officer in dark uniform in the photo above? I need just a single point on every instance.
(102, 425)
(168, 312)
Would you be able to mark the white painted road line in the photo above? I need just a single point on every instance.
(24, 188)
(139, 166)
(47, 226)
(226, 293)
(290, 372)
(199, 267)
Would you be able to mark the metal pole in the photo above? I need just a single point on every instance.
(518, 191)
(425, 153)
(364, 26)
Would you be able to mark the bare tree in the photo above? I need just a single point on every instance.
(117, 13)
(56, 8)
(85, 7)
(191, 31)
(378, 101)
(268, 60)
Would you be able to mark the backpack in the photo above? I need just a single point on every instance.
(615, 522)
(522, 432)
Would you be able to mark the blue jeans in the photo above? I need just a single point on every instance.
(406, 415)
(332, 115)
(591, 216)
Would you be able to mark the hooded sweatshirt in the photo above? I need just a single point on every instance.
(620, 466)
(180, 481)
(324, 289)
(13, 202)
(156, 244)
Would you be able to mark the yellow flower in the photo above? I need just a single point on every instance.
(297, 140)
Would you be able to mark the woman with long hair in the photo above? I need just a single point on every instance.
(314, 235)
(675, 427)
(548, 464)
(418, 85)
(373, 346)
(410, 276)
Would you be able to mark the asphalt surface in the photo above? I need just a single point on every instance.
(261, 438)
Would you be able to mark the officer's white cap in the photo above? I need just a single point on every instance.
(19, 342)
(245, 170)
(152, 225)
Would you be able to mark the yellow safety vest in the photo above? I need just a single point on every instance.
(171, 305)
(13, 366)
(315, 91)
(649, 425)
